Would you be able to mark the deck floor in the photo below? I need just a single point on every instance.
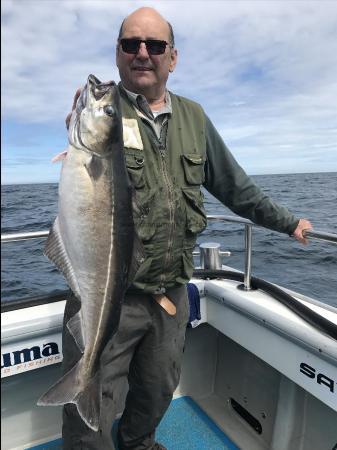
(184, 427)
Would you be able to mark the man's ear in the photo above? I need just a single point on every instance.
(117, 53)
(173, 61)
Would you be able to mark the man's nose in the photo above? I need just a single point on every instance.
(142, 52)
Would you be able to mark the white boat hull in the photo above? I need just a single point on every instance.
(249, 350)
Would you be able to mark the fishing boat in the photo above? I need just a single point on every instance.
(259, 367)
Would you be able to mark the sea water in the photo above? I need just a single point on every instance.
(311, 269)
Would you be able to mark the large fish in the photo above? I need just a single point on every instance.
(92, 239)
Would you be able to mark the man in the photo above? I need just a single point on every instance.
(171, 149)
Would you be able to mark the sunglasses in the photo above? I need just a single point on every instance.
(153, 46)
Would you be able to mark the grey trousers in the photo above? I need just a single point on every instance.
(147, 349)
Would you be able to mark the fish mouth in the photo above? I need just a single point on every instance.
(98, 88)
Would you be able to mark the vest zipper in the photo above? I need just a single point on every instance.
(170, 198)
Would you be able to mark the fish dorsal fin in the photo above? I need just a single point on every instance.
(56, 252)
(75, 328)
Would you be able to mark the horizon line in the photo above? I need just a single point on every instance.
(250, 175)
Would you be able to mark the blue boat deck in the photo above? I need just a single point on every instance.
(185, 426)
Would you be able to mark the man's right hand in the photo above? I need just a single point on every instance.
(77, 94)
(302, 225)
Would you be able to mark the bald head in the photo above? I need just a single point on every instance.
(142, 70)
(152, 16)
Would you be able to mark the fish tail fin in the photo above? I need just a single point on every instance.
(89, 403)
(67, 390)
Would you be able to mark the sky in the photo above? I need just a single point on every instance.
(265, 73)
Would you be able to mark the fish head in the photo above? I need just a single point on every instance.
(96, 121)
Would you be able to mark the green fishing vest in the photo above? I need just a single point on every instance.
(168, 211)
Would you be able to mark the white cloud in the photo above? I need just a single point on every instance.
(264, 71)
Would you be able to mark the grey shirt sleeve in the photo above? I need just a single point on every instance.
(228, 182)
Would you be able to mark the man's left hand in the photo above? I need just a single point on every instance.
(303, 224)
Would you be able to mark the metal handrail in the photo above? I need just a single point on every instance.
(14, 237)
(328, 237)
(316, 234)
(321, 235)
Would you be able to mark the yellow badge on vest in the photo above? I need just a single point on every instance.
(131, 134)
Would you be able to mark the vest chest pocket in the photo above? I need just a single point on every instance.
(193, 165)
(196, 219)
(135, 167)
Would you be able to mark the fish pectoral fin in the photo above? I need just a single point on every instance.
(68, 390)
(55, 250)
(75, 327)
(94, 167)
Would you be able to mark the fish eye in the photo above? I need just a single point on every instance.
(109, 110)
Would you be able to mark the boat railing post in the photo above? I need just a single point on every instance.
(246, 286)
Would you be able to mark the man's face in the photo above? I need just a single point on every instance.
(143, 73)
